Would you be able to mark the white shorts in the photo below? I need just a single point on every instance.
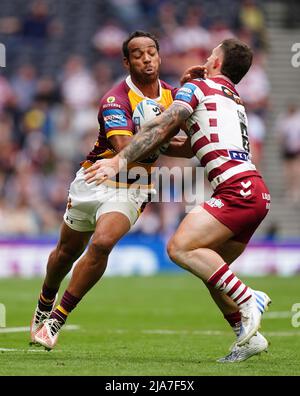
(87, 202)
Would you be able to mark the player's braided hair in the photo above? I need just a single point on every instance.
(237, 59)
(138, 33)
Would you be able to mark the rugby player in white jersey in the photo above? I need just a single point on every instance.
(213, 235)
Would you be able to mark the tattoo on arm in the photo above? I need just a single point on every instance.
(155, 132)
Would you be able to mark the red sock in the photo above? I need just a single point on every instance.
(226, 281)
(234, 320)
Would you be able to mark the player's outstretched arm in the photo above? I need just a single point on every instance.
(150, 137)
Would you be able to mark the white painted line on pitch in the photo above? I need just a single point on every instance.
(24, 329)
(23, 350)
(204, 332)
(171, 332)
(195, 332)
(277, 315)
(281, 333)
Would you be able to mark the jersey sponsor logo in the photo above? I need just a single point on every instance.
(231, 95)
(114, 118)
(110, 99)
(111, 105)
(215, 203)
(239, 155)
(186, 92)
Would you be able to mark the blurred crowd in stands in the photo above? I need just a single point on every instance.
(49, 104)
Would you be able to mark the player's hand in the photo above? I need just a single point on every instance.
(102, 170)
(193, 72)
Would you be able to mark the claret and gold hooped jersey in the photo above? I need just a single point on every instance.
(218, 128)
(115, 117)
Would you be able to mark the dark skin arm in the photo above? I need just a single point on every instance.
(193, 72)
(119, 142)
(180, 147)
(151, 136)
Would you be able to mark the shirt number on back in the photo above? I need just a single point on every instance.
(243, 126)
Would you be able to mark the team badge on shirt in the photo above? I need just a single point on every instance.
(110, 99)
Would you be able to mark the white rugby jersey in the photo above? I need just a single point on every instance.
(218, 127)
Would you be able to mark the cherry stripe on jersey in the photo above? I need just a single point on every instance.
(214, 138)
(221, 169)
(211, 106)
(213, 155)
(208, 91)
(195, 127)
(213, 122)
(203, 141)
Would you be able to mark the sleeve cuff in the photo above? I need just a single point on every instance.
(119, 132)
(184, 104)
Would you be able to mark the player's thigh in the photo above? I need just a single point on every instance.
(230, 250)
(110, 227)
(117, 215)
(200, 229)
(72, 242)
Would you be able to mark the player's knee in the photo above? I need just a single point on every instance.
(66, 255)
(175, 250)
(179, 253)
(100, 247)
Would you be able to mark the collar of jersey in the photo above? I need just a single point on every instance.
(138, 92)
(223, 78)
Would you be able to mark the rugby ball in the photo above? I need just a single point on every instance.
(144, 112)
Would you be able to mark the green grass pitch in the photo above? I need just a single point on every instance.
(145, 326)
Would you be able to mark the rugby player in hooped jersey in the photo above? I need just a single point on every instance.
(108, 211)
(213, 235)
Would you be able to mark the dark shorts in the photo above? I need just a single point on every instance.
(241, 205)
